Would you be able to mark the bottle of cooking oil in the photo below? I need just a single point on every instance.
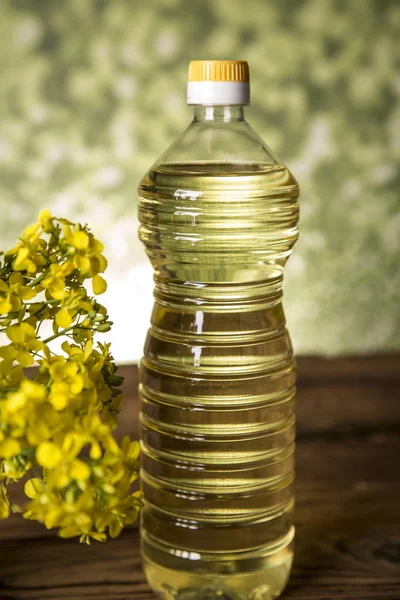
(218, 219)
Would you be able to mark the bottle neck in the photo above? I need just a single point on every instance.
(218, 113)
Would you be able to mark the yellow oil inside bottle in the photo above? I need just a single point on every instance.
(218, 381)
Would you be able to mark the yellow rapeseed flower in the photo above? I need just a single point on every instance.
(86, 251)
(23, 344)
(99, 285)
(49, 455)
(9, 447)
(62, 421)
(34, 487)
(63, 318)
(55, 281)
(67, 381)
(13, 292)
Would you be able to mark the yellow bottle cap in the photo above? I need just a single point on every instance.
(218, 82)
(218, 70)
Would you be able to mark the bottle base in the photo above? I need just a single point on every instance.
(255, 575)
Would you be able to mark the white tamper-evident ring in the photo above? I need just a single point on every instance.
(218, 92)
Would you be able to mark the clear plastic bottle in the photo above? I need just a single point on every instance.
(218, 219)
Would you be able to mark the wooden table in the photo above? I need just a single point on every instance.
(348, 501)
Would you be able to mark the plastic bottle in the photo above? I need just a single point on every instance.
(218, 219)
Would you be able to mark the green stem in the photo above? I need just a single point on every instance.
(47, 302)
(5, 389)
(38, 328)
(64, 332)
(38, 279)
(56, 335)
(40, 355)
(37, 471)
(7, 497)
(37, 313)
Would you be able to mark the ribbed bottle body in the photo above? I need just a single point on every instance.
(218, 380)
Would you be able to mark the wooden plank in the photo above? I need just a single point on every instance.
(334, 395)
(379, 366)
(348, 507)
(348, 537)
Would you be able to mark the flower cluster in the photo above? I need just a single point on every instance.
(58, 424)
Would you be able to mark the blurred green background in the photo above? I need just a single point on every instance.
(91, 93)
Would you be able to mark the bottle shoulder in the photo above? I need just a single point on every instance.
(209, 142)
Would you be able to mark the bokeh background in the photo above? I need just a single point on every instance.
(91, 93)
